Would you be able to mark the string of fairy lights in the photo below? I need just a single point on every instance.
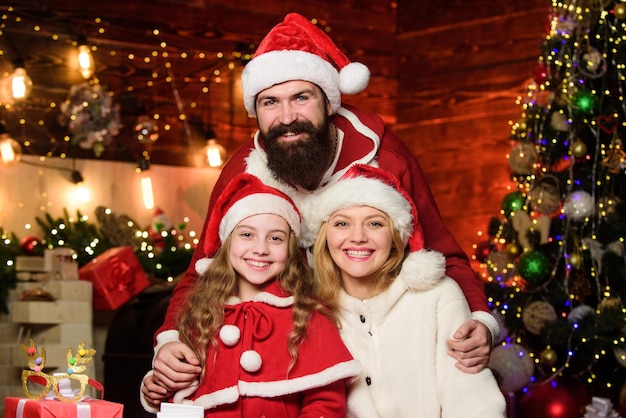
(89, 91)
(566, 123)
(160, 55)
(82, 105)
(90, 112)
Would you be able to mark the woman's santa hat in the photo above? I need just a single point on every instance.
(364, 185)
(296, 49)
(244, 196)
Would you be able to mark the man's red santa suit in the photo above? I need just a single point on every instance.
(297, 50)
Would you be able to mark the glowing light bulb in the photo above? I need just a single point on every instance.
(147, 193)
(214, 153)
(85, 61)
(82, 193)
(20, 83)
(10, 150)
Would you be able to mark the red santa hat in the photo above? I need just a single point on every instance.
(364, 185)
(296, 49)
(244, 196)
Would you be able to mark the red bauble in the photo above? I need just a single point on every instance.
(483, 249)
(563, 398)
(540, 73)
(28, 244)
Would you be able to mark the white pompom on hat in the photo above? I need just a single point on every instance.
(296, 49)
(364, 185)
(244, 196)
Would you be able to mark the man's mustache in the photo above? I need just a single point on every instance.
(295, 128)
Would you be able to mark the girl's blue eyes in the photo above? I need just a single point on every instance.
(271, 238)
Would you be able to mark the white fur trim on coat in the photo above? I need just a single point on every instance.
(163, 338)
(339, 371)
(142, 398)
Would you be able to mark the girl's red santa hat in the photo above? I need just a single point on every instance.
(244, 196)
(296, 49)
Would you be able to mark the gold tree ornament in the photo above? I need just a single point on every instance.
(615, 160)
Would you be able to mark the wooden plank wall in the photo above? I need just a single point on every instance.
(445, 76)
(461, 66)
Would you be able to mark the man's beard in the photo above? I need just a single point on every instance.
(301, 162)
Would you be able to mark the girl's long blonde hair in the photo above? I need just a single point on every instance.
(328, 274)
(201, 318)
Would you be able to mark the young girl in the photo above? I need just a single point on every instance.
(268, 347)
(395, 305)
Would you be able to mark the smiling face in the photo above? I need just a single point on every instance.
(259, 251)
(359, 240)
(295, 130)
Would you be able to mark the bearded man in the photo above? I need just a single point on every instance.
(307, 139)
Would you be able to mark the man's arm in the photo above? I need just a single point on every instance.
(395, 157)
(474, 338)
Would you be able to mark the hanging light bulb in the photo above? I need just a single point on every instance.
(85, 59)
(146, 183)
(81, 192)
(215, 154)
(147, 192)
(20, 82)
(10, 149)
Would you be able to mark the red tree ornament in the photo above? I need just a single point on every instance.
(29, 244)
(562, 398)
(483, 249)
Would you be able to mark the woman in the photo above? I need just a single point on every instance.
(396, 307)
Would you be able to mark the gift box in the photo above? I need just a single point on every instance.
(116, 276)
(51, 408)
(57, 312)
(73, 290)
(60, 263)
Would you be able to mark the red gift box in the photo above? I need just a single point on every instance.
(50, 408)
(116, 275)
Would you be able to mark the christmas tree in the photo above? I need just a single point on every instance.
(553, 259)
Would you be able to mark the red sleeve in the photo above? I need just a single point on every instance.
(328, 401)
(395, 157)
(234, 166)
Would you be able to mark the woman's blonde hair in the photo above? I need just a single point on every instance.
(328, 275)
(202, 316)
